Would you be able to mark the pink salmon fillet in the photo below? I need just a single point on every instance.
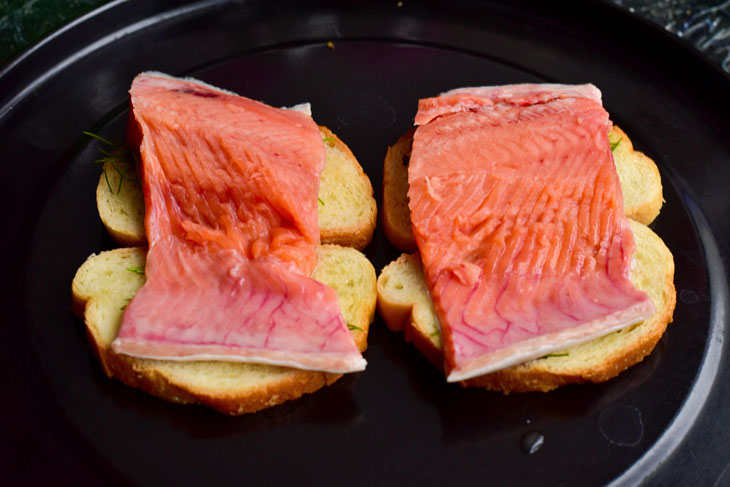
(518, 215)
(230, 188)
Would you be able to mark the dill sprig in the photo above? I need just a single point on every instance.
(117, 155)
(354, 327)
(137, 270)
(615, 144)
(320, 201)
(100, 138)
(561, 354)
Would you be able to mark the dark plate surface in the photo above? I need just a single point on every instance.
(663, 422)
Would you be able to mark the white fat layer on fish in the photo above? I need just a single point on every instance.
(305, 108)
(347, 363)
(587, 90)
(541, 346)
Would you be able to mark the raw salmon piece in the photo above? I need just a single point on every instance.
(230, 190)
(518, 214)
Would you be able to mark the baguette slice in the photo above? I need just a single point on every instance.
(405, 304)
(347, 209)
(103, 285)
(639, 177)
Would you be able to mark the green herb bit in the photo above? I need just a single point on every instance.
(123, 174)
(615, 144)
(118, 155)
(436, 333)
(137, 270)
(125, 304)
(561, 354)
(353, 327)
(328, 140)
(100, 138)
(320, 201)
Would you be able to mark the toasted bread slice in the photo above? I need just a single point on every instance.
(405, 304)
(347, 209)
(639, 176)
(103, 286)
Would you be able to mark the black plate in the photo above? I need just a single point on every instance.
(665, 421)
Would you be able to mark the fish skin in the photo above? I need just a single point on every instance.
(518, 214)
(230, 189)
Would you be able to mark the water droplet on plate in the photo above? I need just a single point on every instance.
(531, 442)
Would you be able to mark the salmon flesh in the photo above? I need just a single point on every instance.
(518, 215)
(230, 188)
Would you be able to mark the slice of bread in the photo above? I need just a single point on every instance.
(103, 286)
(405, 304)
(120, 202)
(347, 209)
(639, 176)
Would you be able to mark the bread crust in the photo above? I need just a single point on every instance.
(154, 381)
(408, 308)
(396, 217)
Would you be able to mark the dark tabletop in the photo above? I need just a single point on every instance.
(703, 24)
